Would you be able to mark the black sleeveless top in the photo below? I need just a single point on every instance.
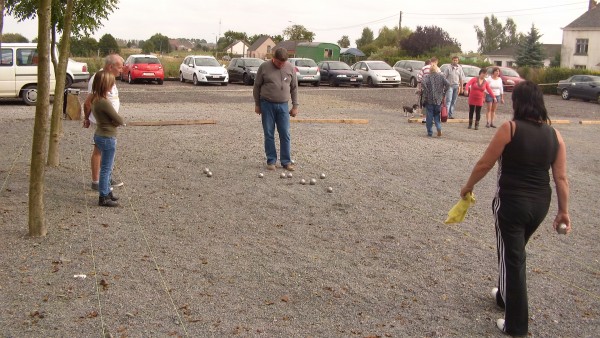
(526, 159)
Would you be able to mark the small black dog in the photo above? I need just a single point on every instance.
(412, 110)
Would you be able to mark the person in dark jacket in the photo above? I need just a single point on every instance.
(434, 88)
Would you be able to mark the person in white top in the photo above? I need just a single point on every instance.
(113, 63)
(495, 83)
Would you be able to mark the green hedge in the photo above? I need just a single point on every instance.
(548, 78)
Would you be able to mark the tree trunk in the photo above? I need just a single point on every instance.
(37, 219)
(1, 19)
(61, 73)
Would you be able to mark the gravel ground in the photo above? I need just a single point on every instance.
(239, 255)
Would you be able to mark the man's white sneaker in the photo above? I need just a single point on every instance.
(494, 293)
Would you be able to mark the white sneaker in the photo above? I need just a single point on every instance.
(500, 324)
(494, 293)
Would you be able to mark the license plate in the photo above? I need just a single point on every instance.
(353, 80)
(390, 79)
(308, 77)
(148, 74)
(216, 76)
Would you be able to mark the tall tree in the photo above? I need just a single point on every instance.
(86, 46)
(429, 39)
(37, 219)
(365, 39)
(494, 35)
(387, 37)
(298, 33)
(529, 52)
(161, 43)
(230, 37)
(344, 42)
(108, 45)
(57, 107)
(1, 19)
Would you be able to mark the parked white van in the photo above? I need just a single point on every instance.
(18, 72)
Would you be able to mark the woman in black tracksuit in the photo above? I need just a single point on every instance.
(525, 149)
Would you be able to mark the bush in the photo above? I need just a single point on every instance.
(548, 78)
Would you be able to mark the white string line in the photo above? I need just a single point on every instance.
(12, 166)
(90, 237)
(156, 266)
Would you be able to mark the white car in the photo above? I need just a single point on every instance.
(76, 72)
(377, 73)
(202, 69)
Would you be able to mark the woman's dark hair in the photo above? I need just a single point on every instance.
(482, 70)
(528, 103)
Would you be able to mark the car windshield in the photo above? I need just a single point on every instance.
(379, 65)
(509, 72)
(305, 63)
(253, 62)
(338, 66)
(417, 64)
(207, 62)
(148, 60)
(471, 71)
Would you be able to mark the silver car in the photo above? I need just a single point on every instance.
(409, 70)
(377, 73)
(470, 72)
(307, 70)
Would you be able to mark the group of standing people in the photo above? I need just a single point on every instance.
(481, 89)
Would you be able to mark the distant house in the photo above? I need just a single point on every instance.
(261, 48)
(581, 41)
(289, 45)
(318, 51)
(238, 47)
(505, 57)
(181, 44)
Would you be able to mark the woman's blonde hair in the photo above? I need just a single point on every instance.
(102, 85)
(435, 68)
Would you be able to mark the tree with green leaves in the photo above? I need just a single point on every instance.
(108, 45)
(494, 35)
(13, 37)
(230, 37)
(529, 52)
(37, 218)
(344, 42)
(298, 33)
(426, 40)
(161, 43)
(365, 39)
(277, 38)
(148, 47)
(86, 46)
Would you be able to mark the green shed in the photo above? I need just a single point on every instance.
(318, 51)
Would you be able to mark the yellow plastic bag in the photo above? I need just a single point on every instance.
(459, 211)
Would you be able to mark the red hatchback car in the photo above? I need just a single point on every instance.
(142, 67)
(510, 77)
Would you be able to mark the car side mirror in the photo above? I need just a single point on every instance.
(410, 69)
(191, 65)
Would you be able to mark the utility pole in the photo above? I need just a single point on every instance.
(399, 28)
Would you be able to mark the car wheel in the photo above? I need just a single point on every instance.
(129, 79)
(246, 79)
(160, 82)
(68, 82)
(122, 77)
(413, 82)
(195, 80)
(370, 82)
(357, 85)
(316, 84)
(565, 94)
(29, 95)
(332, 83)
(598, 99)
(181, 79)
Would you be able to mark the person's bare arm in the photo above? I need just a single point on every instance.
(559, 173)
(87, 110)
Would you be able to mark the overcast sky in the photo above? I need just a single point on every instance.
(328, 19)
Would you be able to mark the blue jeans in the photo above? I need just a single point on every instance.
(108, 147)
(272, 115)
(451, 96)
(433, 115)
